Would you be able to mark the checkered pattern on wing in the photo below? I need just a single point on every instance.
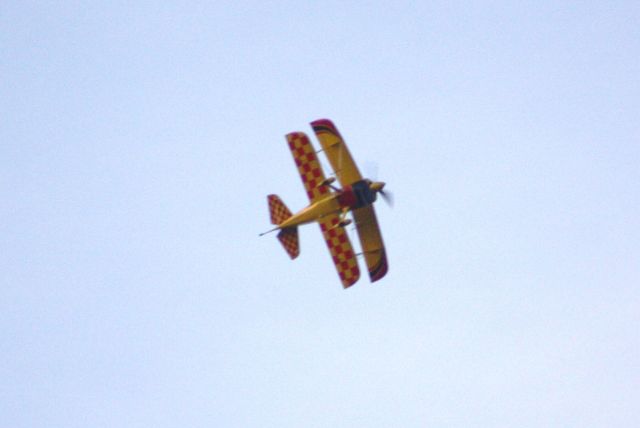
(308, 166)
(341, 250)
(277, 209)
(289, 240)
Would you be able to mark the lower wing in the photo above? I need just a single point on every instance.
(341, 250)
(371, 242)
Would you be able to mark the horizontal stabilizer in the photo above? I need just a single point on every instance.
(289, 240)
(277, 209)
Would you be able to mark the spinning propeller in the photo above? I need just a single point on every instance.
(371, 169)
(378, 187)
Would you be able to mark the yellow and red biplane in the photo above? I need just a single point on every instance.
(330, 205)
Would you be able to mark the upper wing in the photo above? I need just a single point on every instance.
(371, 242)
(336, 150)
(308, 166)
(340, 249)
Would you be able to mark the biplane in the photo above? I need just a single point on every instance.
(330, 205)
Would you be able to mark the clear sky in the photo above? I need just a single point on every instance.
(138, 142)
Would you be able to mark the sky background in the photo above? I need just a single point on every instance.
(138, 142)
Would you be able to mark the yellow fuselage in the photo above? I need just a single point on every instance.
(320, 208)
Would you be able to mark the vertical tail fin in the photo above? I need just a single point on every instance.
(277, 209)
(289, 239)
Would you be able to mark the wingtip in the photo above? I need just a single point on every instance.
(349, 283)
(323, 122)
(380, 270)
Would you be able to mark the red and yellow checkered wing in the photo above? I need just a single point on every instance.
(308, 165)
(340, 248)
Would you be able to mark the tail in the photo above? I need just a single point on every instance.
(288, 237)
(277, 209)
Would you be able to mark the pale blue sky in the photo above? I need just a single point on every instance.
(138, 143)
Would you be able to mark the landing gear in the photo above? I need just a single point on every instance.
(328, 183)
(345, 222)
